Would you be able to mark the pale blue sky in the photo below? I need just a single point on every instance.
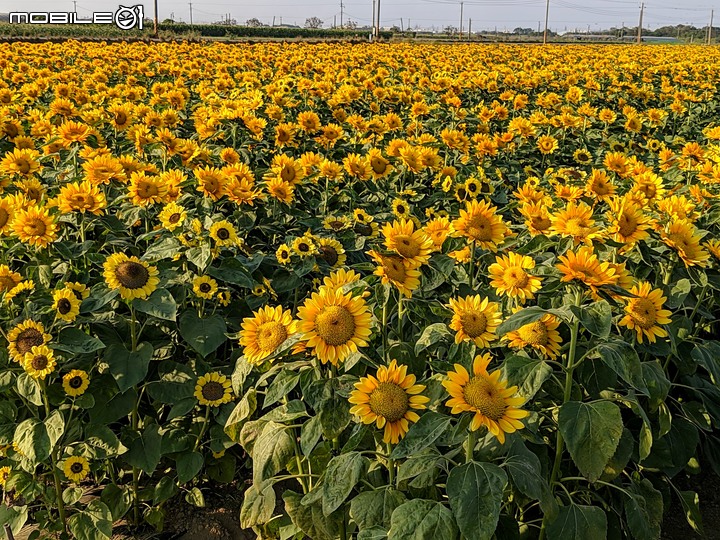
(485, 14)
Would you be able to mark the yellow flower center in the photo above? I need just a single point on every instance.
(479, 227)
(643, 312)
(534, 333)
(34, 227)
(407, 246)
(271, 335)
(64, 306)
(213, 391)
(390, 401)
(27, 339)
(132, 275)
(575, 226)
(394, 268)
(287, 174)
(480, 393)
(23, 165)
(211, 184)
(516, 277)
(146, 190)
(627, 225)
(6, 283)
(378, 164)
(474, 323)
(39, 362)
(335, 325)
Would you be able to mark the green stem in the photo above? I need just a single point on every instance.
(401, 312)
(135, 421)
(471, 443)
(203, 428)
(54, 464)
(298, 462)
(560, 443)
(391, 465)
(384, 324)
(471, 271)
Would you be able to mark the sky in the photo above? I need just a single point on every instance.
(564, 15)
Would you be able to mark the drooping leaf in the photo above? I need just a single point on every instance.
(203, 335)
(375, 508)
(420, 519)
(128, 368)
(271, 451)
(341, 475)
(258, 505)
(422, 434)
(579, 522)
(475, 491)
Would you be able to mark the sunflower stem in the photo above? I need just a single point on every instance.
(54, 463)
(567, 394)
(471, 271)
(391, 465)
(298, 461)
(384, 324)
(203, 428)
(471, 443)
(134, 420)
(401, 312)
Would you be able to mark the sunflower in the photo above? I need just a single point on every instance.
(205, 287)
(211, 182)
(80, 290)
(224, 233)
(75, 382)
(413, 246)
(334, 325)
(213, 389)
(264, 332)
(104, 169)
(684, 237)
(35, 226)
(7, 215)
(76, 468)
(304, 246)
(387, 400)
(599, 186)
(4, 475)
(487, 396)
(582, 156)
(474, 319)
(339, 278)
(510, 278)
(331, 251)
(575, 222)
(145, 190)
(537, 217)
(282, 191)
(39, 362)
(22, 287)
(24, 337)
(585, 266)
(644, 312)
(547, 144)
(400, 208)
(628, 223)
(396, 270)
(81, 197)
(361, 216)
(66, 304)
(283, 254)
(541, 335)
(438, 230)
(172, 216)
(133, 277)
(22, 162)
(480, 223)
(8, 278)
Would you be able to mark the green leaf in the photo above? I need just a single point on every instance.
(373, 533)
(258, 505)
(118, 500)
(334, 416)
(707, 354)
(678, 293)
(341, 475)
(592, 432)
(520, 319)
(144, 452)
(672, 452)
(33, 440)
(644, 510)
(99, 297)
(29, 388)
(596, 318)
(375, 508)
(200, 257)
(240, 414)
(271, 452)
(310, 434)
(475, 492)
(75, 341)
(165, 489)
(285, 381)
(71, 495)
(165, 249)
(620, 458)
(656, 381)
(14, 516)
(431, 335)
(419, 464)
(55, 426)
(195, 497)
(421, 434)
(421, 519)
(691, 505)
(310, 518)
(526, 373)
(204, 335)
(579, 522)
(526, 473)
(94, 523)
(622, 358)
(128, 368)
(188, 466)
(232, 271)
(160, 304)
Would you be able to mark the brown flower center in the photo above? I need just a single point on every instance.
(223, 234)
(174, 218)
(27, 339)
(39, 362)
(407, 246)
(205, 288)
(213, 391)
(76, 467)
(390, 401)
(643, 312)
(75, 382)
(132, 275)
(4, 217)
(480, 228)
(64, 306)
(394, 268)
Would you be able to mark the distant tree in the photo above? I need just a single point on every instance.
(395, 29)
(350, 25)
(450, 30)
(313, 22)
(523, 31)
(168, 21)
(254, 23)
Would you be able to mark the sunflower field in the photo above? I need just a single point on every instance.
(388, 291)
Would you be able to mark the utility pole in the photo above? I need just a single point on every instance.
(547, 13)
(639, 34)
(342, 6)
(190, 13)
(374, 27)
(401, 25)
(709, 32)
(75, 6)
(334, 21)
(469, 28)
(155, 21)
(461, 18)
(378, 19)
